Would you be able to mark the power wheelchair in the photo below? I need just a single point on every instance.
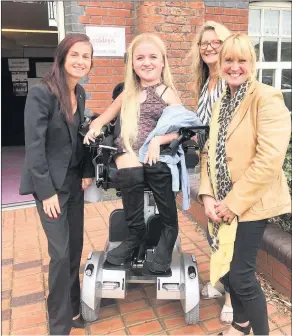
(103, 280)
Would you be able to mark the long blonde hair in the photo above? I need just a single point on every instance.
(199, 69)
(130, 110)
(239, 46)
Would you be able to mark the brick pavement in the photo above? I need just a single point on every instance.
(25, 283)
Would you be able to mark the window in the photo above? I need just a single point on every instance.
(270, 29)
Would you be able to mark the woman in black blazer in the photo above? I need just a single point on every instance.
(56, 171)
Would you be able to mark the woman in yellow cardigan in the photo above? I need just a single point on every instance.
(242, 182)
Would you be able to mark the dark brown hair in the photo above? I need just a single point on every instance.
(56, 78)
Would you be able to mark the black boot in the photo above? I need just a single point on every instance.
(131, 182)
(159, 179)
(78, 323)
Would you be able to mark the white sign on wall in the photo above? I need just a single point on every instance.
(41, 68)
(107, 41)
(18, 64)
(20, 76)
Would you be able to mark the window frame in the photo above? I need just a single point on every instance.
(278, 66)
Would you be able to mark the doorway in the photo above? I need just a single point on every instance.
(29, 39)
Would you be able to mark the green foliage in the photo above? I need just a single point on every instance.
(285, 221)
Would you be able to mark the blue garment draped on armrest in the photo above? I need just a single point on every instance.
(172, 119)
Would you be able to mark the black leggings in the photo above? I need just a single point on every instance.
(247, 297)
(159, 178)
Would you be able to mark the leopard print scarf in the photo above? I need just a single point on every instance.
(223, 180)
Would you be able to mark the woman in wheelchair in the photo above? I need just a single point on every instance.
(148, 90)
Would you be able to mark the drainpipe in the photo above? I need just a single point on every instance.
(60, 20)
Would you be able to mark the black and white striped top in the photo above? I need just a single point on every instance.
(206, 101)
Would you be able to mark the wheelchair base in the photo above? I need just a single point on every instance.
(104, 280)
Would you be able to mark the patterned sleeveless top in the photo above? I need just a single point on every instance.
(150, 111)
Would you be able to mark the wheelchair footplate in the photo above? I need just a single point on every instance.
(125, 267)
(146, 271)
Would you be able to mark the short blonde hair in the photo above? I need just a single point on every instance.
(239, 46)
(200, 70)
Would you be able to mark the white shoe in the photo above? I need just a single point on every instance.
(209, 292)
(226, 315)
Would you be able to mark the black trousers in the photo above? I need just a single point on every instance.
(159, 178)
(247, 297)
(65, 243)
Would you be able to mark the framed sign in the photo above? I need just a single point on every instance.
(18, 64)
(20, 89)
(107, 41)
(20, 76)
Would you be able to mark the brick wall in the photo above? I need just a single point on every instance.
(176, 22)
(106, 71)
(233, 18)
(233, 14)
(275, 272)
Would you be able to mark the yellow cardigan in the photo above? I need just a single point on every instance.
(256, 144)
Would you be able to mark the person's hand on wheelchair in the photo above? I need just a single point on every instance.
(153, 154)
(91, 135)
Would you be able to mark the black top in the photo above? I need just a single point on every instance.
(77, 145)
(48, 143)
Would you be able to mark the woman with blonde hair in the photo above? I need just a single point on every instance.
(149, 89)
(242, 182)
(208, 87)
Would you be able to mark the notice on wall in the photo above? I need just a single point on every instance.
(42, 68)
(19, 76)
(107, 41)
(20, 89)
(18, 64)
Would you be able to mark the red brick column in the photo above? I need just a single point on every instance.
(106, 71)
(176, 22)
(234, 19)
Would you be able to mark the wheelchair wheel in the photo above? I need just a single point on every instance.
(192, 317)
(88, 314)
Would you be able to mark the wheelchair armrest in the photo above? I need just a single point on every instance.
(185, 134)
(106, 129)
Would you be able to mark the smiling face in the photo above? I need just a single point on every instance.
(235, 70)
(210, 47)
(148, 63)
(78, 60)
(237, 61)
